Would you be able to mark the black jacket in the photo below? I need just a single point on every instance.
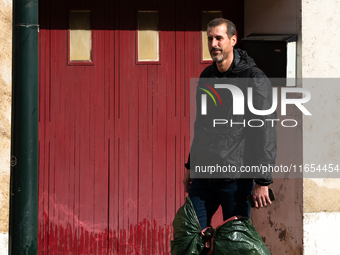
(237, 145)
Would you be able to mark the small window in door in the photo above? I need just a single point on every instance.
(148, 37)
(207, 16)
(80, 38)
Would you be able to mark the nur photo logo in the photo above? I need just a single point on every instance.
(238, 103)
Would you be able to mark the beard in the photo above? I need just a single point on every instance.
(220, 57)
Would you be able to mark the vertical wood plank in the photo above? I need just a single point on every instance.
(53, 237)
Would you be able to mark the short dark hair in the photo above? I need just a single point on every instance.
(231, 28)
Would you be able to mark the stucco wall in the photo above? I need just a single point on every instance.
(320, 233)
(281, 225)
(320, 30)
(321, 52)
(5, 116)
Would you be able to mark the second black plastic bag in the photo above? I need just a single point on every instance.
(239, 237)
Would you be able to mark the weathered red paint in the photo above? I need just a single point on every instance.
(114, 136)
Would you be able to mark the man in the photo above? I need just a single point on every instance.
(252, 146)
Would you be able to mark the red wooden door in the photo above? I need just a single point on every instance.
(114, 135)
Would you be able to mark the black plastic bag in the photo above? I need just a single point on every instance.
(239, 237)
(188, 238)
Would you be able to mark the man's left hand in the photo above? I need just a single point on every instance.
(261, 196)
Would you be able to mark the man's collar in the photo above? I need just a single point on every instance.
(237, 58)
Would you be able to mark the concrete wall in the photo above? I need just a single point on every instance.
(281, 224)
(5, 116)
(321, 52)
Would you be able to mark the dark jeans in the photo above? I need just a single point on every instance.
(207, 195)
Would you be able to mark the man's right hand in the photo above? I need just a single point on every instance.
(187, 181)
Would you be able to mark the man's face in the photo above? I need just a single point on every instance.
(219, 44)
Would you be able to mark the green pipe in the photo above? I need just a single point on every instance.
(23, 219)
